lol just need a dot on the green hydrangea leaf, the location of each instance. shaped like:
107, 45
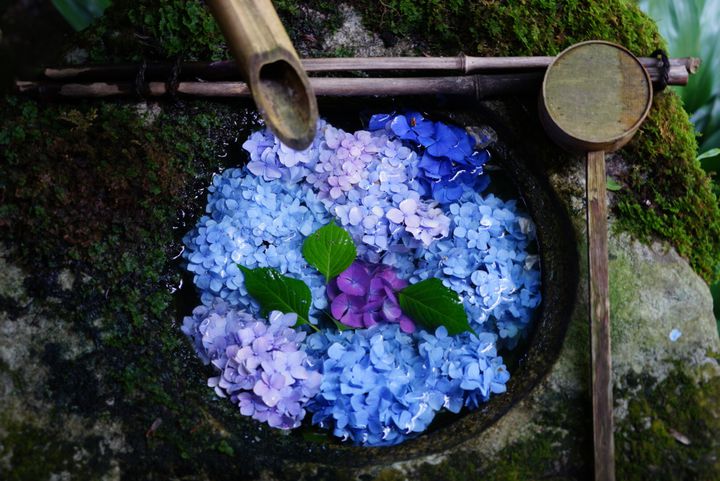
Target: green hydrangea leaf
330, 250
276, 292
432, 304
612, 185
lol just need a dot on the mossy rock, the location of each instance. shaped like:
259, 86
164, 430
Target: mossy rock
95, 197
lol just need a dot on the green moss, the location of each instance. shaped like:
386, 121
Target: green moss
132, 30
496, 27
96, 189
672, 430
668, 195
24, 445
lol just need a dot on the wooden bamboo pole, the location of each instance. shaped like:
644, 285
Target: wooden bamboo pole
680, 68
480, 86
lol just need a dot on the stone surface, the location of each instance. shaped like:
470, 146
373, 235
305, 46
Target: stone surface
82, 396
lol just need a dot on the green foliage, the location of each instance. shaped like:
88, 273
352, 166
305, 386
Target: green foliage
432, 304
276, 292
330, 250
80, 13
691, 29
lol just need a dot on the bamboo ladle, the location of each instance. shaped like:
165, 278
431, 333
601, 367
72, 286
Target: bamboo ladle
595, 96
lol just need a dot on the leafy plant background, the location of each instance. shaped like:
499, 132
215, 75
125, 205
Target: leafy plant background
692, 29
81, 13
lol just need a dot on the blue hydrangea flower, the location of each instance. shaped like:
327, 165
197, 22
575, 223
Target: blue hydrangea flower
486, 261
450, 159
254, 223
261, 366
381, 386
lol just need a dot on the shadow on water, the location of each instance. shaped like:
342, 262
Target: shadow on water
535, 354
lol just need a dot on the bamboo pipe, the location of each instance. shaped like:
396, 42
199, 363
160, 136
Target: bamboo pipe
271, 67
680, 68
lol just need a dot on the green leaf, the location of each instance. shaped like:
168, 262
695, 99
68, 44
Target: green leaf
276, 292
613, 185
81, 13
330, 250
709, 154
432, 304
340, 326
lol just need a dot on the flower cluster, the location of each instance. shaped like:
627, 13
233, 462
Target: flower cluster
487, 262
255, 223
261, 366
272, 160
381, 386
450, 161
343, 161
364, 295
408, 193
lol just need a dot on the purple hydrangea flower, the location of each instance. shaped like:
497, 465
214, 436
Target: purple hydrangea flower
262, 367
364, 295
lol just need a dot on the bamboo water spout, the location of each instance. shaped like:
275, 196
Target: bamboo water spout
268, 61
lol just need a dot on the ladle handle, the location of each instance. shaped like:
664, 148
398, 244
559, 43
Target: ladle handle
602, 396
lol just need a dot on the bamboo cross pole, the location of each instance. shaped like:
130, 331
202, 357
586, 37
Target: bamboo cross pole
680, 68
479, 86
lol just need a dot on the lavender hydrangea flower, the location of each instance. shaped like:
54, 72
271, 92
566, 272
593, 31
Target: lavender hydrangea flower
262, 367
272, 160
343, 161
364, 295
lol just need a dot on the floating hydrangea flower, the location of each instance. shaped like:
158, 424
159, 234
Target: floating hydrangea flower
486, 261
364, 295
253, 223
424, 221
449, 158
271, 159
381, 386
342, 161
262, 367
